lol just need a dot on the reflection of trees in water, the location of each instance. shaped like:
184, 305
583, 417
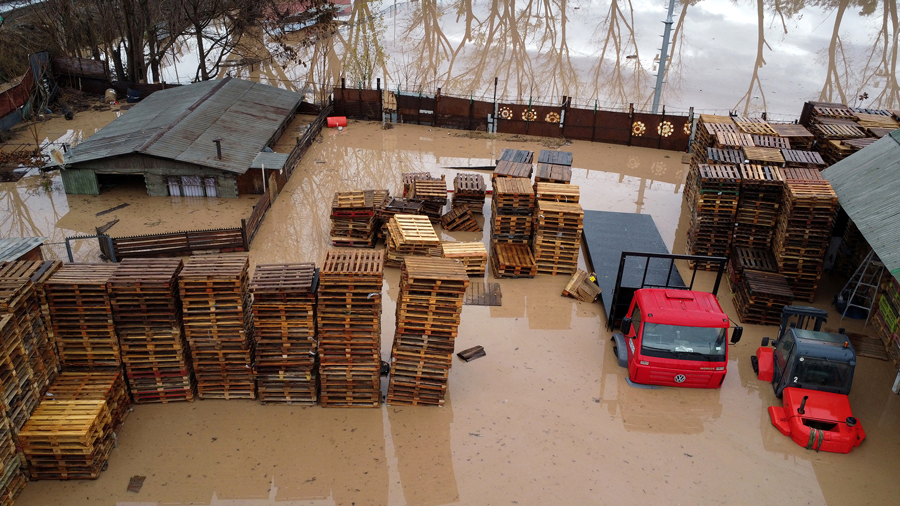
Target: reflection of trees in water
760, 62
423, 57
554, 59
364, 56
615, 36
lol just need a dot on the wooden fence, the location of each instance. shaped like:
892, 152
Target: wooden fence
223, 239
661, 131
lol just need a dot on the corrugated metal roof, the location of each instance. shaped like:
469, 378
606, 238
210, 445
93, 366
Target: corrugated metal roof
868, 188
14, 247
270, 160
181, 123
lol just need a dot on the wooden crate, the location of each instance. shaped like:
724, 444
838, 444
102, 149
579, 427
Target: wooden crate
512, 260
81, 316
284, 302
473, 255
67, 439
348, 327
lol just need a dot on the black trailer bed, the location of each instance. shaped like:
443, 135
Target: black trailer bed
607, 235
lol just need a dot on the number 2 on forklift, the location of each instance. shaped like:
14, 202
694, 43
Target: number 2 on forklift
675, 338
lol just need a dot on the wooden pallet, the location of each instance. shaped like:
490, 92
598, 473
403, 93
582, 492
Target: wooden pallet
511, 260
433, 195
582, 286
803, 159
507, 169
473, 255
754, 126
460, 219
798, 135
745, 258
18, 298
724, 156
94, 386
469, 191
409, 235
20, 394
560, 158
763, 156
556, 192
516, 155
771, 141
761, 297
726, 140
408, 178
549, 173
483, 294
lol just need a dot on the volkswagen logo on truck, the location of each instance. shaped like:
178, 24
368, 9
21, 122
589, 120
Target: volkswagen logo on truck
680, 378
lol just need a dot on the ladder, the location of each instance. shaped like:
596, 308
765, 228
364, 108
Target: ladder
860, 290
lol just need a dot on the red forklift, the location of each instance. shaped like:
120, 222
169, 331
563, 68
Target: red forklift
671, 335
812, 372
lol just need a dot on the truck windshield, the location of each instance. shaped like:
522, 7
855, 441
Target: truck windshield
822, 373
697, 343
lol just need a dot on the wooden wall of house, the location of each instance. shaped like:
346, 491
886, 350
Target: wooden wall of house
80, 182
155, 171
251, 181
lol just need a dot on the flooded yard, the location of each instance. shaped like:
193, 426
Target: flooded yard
545, 418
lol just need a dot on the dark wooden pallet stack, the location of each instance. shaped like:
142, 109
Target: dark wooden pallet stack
67, 440
469, 191
514, 163
217, 324
428, 315
39, 272
708, 125
738, 140
393, 207
803, 231
757, 211
716, 156
746, 258
549, 173
771, 141
12, 480
93, 386
408, 178
803, 159
81, 317
284, 328
19, 396
799, 137
512, 260
763, 156
147, 314
555, 158
18, 298
348, 316
433, 195
353, 219
834, 150
761, 297
557, 192
460, 219
409, 235
557, 237
473, 255
512, 210
712, 192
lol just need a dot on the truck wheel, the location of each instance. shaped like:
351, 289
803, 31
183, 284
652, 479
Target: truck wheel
619, 348
754, 362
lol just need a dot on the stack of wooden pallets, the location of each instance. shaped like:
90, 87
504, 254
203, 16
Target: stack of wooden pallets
514, 163
409, 235
19, 396
760, 198
217, 324
147, 313
799, 137
284, 327
803, 230
460, 219
428, 315
67, 439
512, 260
348, 315
549, 173
473, 255
712, 192
18, 298
393, 207
433, 195
408, 178
39, 272
353, 219
12, 481
81, 316
708, 125
93, 386
835, 150
748, 259
512, 207
469, 191
556, 192
803, 159
557, 236
760, 297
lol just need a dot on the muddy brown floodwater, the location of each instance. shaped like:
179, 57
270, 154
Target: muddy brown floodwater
545, 418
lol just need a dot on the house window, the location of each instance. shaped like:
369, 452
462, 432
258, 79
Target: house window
210, 184
174, 184
192, 186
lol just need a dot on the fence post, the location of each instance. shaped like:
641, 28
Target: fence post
594, 129
471, 109
419, 109
361, 115
380, 100
662, 119
562, 116
244, 231
343, 100
630, 122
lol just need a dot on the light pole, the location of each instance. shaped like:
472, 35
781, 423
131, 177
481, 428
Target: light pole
663, 56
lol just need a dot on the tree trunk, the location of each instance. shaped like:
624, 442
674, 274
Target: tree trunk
201, 53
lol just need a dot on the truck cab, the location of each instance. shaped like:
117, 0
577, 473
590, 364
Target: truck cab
676, 338
812, 372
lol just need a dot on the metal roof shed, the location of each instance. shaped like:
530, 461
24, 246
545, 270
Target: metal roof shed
867, 184
21, 248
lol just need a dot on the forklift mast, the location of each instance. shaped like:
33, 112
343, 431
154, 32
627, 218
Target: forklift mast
801, 317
